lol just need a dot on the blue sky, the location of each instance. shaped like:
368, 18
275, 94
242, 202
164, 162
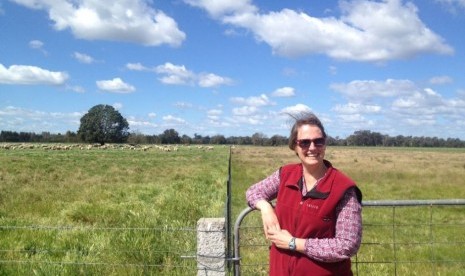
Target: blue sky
235, 67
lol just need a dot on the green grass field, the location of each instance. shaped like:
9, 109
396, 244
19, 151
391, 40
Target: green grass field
129, 211
121, 211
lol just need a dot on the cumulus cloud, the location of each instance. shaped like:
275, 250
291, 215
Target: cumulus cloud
440, 80
29, 120
30, 75
137, 67
296, 109
421, 102
253, 101
361, 90
245, 110
214, 114
135, 123
402, 104
119, 20
221, 8
284, 92
36, 44
373, 31
212, 80
453, 6
170, 119
354, 108
115, 85
173, 74
83, 58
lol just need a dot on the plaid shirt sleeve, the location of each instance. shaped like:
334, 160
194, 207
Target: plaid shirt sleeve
348, 236
266, 189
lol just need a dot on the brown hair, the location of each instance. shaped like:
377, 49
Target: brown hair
303, 118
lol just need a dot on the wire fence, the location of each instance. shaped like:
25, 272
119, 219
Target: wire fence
418, 237
400, 238
69, 250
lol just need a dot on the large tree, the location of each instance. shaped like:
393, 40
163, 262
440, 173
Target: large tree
103, 124
170, 136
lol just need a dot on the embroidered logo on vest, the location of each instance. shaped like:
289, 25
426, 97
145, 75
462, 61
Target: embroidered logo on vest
312, 206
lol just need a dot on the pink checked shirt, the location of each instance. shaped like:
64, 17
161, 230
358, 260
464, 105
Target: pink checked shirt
348, 236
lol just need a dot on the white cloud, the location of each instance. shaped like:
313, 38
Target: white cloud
261, 100
214, 114
367, 30
137, 67
36, 44
180, 75
175, 74
28, 120
245, 110
251, 119
296, 109
284, 92
119, 20
135, 123
453, 5
359, 90
212, 80
221, 8
30, 75
115, 85
83, 58
355, 108
183, 105
173, 120
358, 121
441, 80
421, 102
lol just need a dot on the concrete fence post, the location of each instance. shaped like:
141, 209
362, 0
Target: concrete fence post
211, 247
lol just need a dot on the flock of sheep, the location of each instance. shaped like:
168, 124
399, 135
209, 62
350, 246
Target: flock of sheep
167, 148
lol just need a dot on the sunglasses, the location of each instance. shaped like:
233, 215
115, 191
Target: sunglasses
305, 143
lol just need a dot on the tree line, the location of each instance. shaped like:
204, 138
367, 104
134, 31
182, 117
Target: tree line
103, 124
171, 136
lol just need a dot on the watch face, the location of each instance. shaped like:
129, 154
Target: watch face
292, 244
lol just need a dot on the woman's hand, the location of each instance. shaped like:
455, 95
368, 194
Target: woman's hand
280, 238
269, 219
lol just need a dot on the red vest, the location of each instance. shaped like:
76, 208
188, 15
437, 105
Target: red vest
310, 216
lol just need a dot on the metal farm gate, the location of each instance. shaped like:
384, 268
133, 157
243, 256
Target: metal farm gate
400, 237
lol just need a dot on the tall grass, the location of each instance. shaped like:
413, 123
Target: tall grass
108, 212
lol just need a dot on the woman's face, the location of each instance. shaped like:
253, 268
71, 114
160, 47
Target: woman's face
311, 145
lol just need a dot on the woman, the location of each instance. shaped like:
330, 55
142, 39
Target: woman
316, 225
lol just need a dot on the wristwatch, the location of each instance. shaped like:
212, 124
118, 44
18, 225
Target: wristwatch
292, 244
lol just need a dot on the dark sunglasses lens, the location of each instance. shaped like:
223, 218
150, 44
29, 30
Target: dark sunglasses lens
305, 143
319, 142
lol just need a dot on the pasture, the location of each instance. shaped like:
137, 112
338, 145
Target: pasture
122, 210
116, 210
